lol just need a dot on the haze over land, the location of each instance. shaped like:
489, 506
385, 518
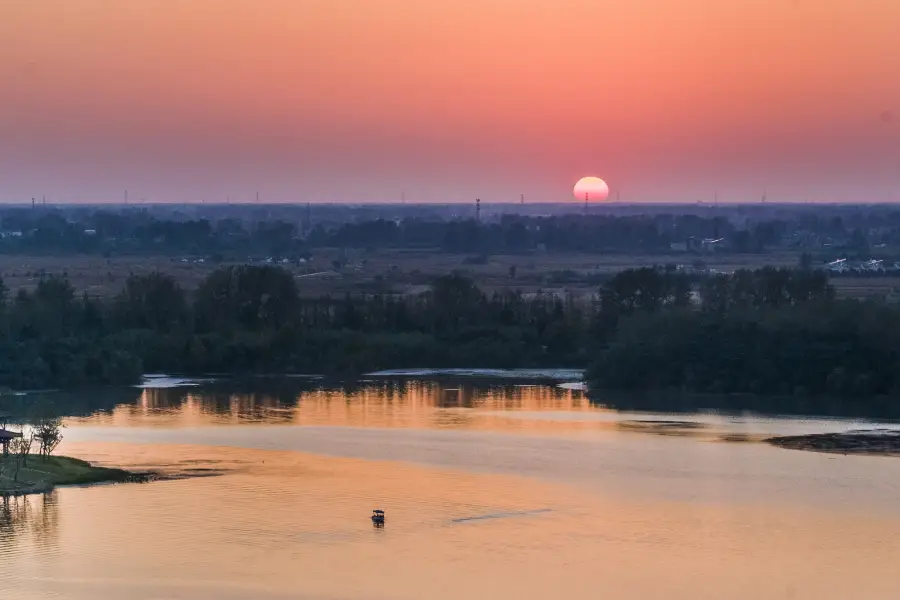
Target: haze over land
361, 100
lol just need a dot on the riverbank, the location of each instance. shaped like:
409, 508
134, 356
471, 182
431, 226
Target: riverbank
41, 474
881, 442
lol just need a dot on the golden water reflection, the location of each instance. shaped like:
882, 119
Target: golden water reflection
641, 510
410, 404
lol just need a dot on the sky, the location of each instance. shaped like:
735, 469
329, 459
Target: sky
449, 100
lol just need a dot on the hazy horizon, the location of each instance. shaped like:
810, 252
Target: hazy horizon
368, 100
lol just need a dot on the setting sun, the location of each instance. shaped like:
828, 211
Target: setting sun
592, 187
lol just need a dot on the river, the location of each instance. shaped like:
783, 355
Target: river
492, 490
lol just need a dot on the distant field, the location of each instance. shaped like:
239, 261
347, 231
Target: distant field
94, 274
401, 272
866, 287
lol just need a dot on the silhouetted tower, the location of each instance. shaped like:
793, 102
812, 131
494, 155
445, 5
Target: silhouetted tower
32, 204
522, 199
126, 197
478, 209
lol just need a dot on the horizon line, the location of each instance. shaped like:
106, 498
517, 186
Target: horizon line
407, 204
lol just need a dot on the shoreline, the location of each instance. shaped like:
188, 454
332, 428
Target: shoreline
43, 474
871, 442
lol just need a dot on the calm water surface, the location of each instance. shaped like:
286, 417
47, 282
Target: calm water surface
512, 491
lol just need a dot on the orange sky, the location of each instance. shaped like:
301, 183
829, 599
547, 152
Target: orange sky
358, 100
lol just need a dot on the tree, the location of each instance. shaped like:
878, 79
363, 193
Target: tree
644, 289
247, 296
51, 309
20, 449
153, 301
455, 299
766, 287
47, 428
715, 293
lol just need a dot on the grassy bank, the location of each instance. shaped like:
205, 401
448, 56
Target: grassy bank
42, 474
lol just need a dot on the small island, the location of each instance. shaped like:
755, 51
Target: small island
28, 466
879, 442
41, 474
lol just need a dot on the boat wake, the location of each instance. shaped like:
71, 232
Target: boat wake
502, 515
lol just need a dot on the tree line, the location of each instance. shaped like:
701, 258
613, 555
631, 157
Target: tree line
768, 331
252, 319
51, 231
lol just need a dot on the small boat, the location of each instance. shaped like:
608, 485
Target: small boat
378, 517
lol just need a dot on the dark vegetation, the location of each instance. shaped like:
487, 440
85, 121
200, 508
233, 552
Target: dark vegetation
234, 233
251, 319
768, 332
878, 441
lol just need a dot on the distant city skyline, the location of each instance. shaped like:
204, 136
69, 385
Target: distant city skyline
431, 101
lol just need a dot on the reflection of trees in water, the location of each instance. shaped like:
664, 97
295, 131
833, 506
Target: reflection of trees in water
287, 400
265, 406
71, 404
217, 404
46, 524
280, 400
13, 513
161, 398
37, 516
470, 393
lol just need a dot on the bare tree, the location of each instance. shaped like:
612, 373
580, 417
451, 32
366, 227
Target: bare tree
20, 448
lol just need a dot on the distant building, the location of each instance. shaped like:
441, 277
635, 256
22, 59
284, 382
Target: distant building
838, 266
710, 245
872, 266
